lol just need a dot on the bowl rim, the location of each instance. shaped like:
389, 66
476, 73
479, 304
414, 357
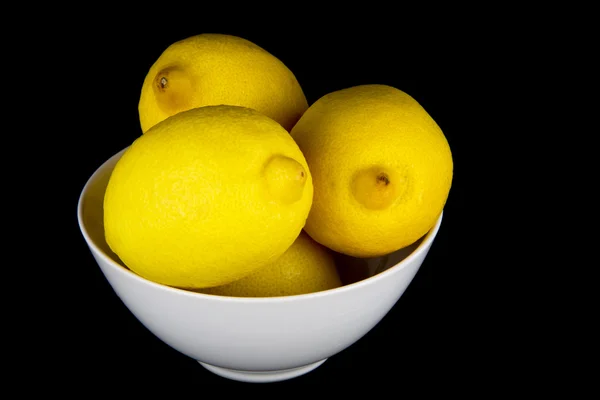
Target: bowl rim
426, 241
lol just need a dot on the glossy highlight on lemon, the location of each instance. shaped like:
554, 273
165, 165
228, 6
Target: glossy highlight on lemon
215, 69
206, 197
381, 166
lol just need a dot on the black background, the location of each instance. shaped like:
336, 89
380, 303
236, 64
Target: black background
432, 336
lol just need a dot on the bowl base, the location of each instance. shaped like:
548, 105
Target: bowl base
261, 376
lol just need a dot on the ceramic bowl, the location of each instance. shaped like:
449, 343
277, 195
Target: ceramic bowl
253, 339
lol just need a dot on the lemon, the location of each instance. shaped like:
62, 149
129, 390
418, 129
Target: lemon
214, 69
381, 167
206, 197
306, 267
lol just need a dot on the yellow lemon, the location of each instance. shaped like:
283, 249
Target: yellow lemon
207, 196
381, 167
214, 69
306, 267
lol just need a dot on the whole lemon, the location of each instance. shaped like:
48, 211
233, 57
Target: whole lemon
206, 197
214, 69
306, 267
381, 167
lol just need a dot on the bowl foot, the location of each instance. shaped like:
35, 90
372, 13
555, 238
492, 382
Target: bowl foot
262, 376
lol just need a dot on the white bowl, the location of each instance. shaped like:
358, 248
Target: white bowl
251, 339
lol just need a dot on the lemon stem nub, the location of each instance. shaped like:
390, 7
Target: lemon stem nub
383, 178
174, 89
285, 179
375, 188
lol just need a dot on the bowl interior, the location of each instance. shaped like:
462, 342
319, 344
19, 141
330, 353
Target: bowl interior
90, 215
